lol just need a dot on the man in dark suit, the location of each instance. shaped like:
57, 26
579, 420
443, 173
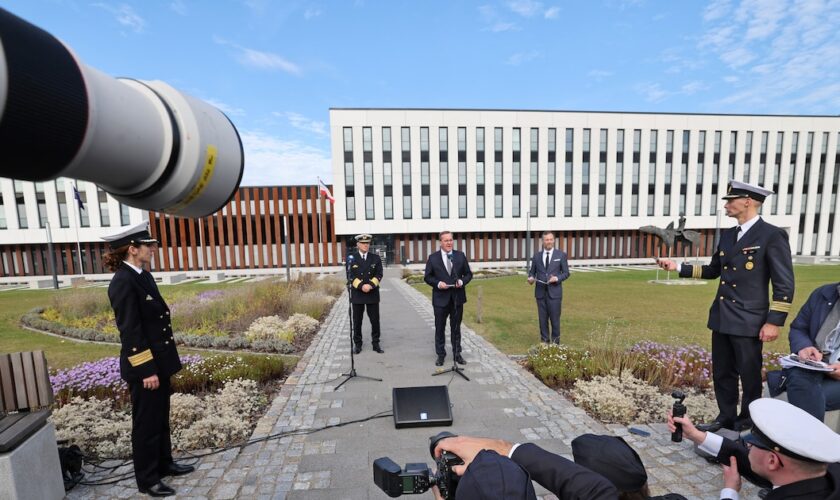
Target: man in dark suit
448, 273
788, 450
814, 335
749, 256
148, 356
549, 269
364, 272
557, 474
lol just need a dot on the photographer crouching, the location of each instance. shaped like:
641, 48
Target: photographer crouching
788, 450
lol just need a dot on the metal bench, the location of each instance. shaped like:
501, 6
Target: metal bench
29, 464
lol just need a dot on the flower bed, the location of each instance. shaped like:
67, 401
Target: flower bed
631, 385
217, 318
216, 402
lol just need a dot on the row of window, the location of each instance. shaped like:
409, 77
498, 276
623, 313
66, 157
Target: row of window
719, 168
17, 206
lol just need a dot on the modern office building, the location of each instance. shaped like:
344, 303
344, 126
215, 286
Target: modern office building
250, 232
493, 176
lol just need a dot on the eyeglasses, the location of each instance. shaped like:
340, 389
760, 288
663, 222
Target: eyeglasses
751, 445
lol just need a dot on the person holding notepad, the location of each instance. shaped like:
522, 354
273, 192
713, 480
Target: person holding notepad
549, 269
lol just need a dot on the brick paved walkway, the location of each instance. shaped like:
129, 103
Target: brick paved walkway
502, 400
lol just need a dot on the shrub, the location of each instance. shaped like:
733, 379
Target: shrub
269, 328
559, 365
301, 324
626, 399
95, 426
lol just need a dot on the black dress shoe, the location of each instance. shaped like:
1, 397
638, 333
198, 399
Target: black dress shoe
357, 349
460, 360
175, 469
158, 490
378, 349
743, 424
439, 361
714, 426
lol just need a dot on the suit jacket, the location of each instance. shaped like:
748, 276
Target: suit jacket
361, 272
563, 477
491, 476
436, 272
558, 265
745, 268
806, 326
144, 322
826, 487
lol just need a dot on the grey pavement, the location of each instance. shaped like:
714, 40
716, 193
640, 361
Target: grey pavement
501, 400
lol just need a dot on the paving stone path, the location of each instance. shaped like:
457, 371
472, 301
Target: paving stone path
501, 400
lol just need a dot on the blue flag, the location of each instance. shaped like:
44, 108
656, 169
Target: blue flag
78, 198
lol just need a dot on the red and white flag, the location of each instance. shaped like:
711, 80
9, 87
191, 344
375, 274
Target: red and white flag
324, 191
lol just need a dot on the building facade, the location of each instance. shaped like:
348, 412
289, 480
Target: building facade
250, 232
495, 177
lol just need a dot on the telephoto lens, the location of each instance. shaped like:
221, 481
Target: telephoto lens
678, 410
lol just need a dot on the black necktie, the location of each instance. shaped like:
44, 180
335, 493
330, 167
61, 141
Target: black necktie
546, 261
738, 234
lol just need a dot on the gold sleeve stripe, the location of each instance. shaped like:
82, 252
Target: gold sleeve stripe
781, 306
375, 281
696, 272
139, 359
356, 283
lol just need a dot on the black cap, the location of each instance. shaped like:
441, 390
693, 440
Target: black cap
611, 457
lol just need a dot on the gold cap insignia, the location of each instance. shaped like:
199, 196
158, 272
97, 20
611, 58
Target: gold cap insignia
749, 266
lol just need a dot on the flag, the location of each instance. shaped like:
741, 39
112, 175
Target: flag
78, 198
324, 191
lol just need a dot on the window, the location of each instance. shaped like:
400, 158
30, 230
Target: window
777, 169
2, 212
516, 185
387, 174
41, 199
462, 172
602, 173
83, 214
349, 182
619, 170
533, 205
405, 141
20, 205
425, 194
125, 218
637, 155
104, 217
479, 172
497, 172
584, 188
61, 197
367, 167
698, 186
669, 171
762, 159
748, 156
552, 172
569, 172
713, 202
654, 135
443, 142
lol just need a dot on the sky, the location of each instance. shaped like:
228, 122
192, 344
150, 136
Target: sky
277, 67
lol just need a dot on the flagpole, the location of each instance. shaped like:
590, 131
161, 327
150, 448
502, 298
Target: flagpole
78, 197
320, 236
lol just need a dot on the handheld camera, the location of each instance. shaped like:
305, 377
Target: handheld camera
678, 410
417, 478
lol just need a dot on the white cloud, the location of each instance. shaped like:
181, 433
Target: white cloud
522, 57
272, 161
692, 88
225, 108
525, 8
179, 7
781, 53
261, 60
301, 122
125, 15
652, 92
599, 74
311, 12
493, 21
731, 79
552, 13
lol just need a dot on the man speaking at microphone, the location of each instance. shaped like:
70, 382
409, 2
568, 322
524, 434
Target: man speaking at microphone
448, 273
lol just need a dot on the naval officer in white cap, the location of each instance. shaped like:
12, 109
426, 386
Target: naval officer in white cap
148, 357
749, 257
788, 450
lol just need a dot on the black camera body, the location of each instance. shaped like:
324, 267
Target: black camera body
417, 478
678, 410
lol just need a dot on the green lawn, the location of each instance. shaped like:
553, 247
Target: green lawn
63, 353
618, 308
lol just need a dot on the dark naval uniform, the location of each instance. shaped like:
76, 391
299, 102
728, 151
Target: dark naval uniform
360, 272
741, 307
148, 348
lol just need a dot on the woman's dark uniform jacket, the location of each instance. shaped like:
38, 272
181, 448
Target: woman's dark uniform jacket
142, 316
746, 267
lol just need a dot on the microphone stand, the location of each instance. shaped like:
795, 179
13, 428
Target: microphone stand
455, 368
352, 373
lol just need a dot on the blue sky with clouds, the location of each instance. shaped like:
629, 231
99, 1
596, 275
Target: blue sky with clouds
276, 67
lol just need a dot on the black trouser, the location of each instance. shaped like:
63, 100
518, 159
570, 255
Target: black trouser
151, 447
373, 316
454, 311
734, 356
